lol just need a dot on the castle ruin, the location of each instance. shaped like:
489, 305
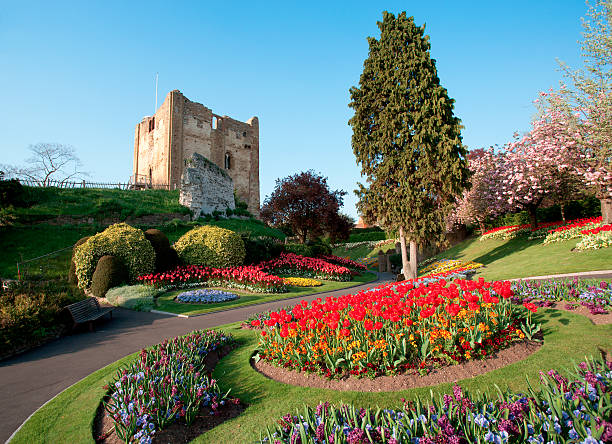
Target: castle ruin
165, 141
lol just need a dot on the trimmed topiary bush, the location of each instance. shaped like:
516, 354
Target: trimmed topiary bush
110, 272
211, 246
165, 256
126, 243
72, 278
261, 249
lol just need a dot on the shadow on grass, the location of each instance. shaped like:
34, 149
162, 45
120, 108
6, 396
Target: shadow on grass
510, 247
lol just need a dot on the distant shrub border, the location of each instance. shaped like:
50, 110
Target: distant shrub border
126, 243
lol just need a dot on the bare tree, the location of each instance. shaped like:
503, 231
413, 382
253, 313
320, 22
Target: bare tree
50, 162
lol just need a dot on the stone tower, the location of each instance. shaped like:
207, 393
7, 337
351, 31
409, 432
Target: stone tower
179, 128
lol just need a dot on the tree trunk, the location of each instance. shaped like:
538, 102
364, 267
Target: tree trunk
481, 226
606, 210
562, 206
533, 217
413, 259
405, 264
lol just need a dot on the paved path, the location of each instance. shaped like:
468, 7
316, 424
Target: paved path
31, 379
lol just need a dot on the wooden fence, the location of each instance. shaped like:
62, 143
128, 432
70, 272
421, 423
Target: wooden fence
103, 185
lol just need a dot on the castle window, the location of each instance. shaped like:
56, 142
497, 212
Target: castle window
244, 134
228, 161
152, 124
215, 122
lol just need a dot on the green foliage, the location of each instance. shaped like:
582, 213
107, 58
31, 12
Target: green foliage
49, 202
110, 272
126, 243
72, 278
11, 193
211, 246
368, 236
301, 249
261, 249
165, 256
32, 311
405, 136
133, 297
588, 207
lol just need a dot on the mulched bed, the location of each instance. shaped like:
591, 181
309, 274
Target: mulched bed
178, 432
502, 358
597, 319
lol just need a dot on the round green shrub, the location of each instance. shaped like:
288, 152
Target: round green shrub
72, 278
165, 256
110, 272
211, 246
126, 243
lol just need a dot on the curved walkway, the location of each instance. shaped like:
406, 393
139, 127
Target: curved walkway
31, 379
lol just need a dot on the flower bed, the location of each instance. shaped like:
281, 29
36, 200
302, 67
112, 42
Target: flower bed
248, 278
396, 327
345, 262
166, 383
562, 410
499, 232
572, 229
205, 296
596, 238
302, 282
294, 264
444, 265
592, 294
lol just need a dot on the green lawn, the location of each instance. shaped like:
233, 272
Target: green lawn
20, 243
50, 202
568, 337
361, 251
23, 243
166, 302
521, 257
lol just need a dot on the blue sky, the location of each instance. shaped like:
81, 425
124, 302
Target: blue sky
83, 73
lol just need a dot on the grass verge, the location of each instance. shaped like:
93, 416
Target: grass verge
165, 302
568, 337
520, 257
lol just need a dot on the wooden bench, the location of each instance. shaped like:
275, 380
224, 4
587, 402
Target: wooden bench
88, 310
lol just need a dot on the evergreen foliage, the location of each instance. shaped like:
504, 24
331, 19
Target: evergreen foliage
127, 243
109, 273
165, 256
211, 246
405, 136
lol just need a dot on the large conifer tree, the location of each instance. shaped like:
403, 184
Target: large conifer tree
406, 138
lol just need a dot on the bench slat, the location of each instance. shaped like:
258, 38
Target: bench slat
87, 310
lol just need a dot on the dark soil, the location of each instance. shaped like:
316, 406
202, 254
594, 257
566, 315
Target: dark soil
454, 373
178, 432
597, 319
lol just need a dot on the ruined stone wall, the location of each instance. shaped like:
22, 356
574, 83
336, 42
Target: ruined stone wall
151, 153
190, 127
205, 187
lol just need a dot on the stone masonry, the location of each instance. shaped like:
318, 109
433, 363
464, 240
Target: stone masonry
205, 187
164, 142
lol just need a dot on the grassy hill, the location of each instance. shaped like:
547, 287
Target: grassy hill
48, 203
28, 238
520, 257
514, 258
